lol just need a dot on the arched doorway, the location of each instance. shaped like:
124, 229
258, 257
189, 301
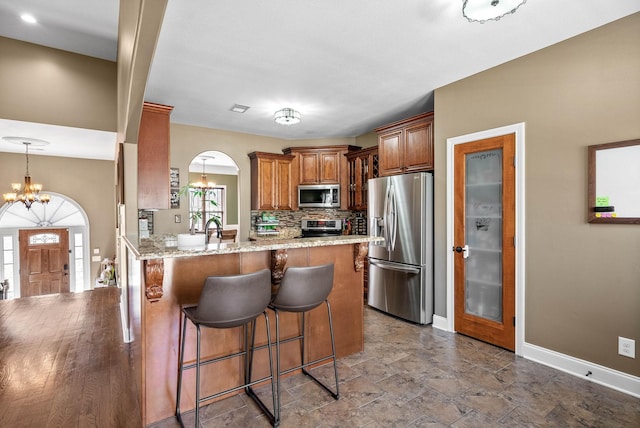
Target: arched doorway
222, 171
60, 212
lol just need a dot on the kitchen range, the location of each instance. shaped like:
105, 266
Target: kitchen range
401, 268
313, 228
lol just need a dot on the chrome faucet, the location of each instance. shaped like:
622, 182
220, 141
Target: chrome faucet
206, 229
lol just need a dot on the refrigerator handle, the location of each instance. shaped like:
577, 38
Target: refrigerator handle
391, 266
393, 211
385, 219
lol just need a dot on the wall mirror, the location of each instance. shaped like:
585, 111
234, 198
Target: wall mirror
614, 183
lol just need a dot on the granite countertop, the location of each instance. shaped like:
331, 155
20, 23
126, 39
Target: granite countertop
154, 247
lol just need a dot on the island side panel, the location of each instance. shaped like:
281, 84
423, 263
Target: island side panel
134, 289
347, 306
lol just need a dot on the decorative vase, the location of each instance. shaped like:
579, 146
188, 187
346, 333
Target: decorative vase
186, 241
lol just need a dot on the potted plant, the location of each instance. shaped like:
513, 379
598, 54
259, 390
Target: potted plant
193, 240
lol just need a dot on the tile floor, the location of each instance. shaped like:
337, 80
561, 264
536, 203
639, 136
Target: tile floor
418, 376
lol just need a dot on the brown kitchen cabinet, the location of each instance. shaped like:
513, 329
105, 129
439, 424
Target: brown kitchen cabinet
406, 146
271, 181
153, 157
321, 165
361, 165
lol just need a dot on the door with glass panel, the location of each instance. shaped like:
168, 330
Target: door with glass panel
484, 240
44, 261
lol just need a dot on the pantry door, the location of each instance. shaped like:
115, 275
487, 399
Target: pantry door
484, 240
44, 261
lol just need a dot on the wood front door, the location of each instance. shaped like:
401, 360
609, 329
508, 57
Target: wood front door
484, 238
44, 261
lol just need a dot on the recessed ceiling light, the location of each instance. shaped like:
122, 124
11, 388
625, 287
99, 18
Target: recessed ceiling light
237, 108
28, 18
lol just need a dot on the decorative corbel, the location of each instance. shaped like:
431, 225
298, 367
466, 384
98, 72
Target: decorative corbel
278, 261
153, 277
360, 251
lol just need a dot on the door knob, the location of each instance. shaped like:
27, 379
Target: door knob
464, 250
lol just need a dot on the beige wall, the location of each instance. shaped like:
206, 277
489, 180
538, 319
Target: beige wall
367, 140
582, 280
40, 84
45, 85
88, 182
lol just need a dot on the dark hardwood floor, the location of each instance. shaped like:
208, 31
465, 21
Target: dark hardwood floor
63, 362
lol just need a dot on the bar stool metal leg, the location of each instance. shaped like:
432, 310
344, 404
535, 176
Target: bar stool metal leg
277, 408
273, 417
333, 352
198, 376
304, 363
181, 368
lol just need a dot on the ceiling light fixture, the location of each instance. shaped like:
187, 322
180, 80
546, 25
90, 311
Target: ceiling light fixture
287, 116
204, 183
28, 18
489, 10
30, 191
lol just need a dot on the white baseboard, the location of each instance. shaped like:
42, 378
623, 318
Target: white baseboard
601, 375
605, 376
441, 323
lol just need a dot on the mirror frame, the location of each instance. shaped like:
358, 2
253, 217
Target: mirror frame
591, 192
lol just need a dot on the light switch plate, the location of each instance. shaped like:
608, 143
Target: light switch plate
95, 258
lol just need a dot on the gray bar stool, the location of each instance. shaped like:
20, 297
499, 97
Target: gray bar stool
226, 302
303, 289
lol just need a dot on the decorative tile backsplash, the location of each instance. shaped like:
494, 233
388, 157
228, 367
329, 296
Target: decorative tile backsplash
289, 221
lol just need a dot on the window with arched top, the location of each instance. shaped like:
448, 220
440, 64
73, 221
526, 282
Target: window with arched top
213, 193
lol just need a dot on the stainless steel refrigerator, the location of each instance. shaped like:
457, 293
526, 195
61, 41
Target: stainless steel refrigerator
400, 209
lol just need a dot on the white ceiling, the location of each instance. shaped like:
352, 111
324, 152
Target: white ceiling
347, 66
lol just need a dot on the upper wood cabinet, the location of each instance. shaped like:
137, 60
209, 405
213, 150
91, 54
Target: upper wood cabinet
406, 146
362, 165
153, 157
271, 181
321, 165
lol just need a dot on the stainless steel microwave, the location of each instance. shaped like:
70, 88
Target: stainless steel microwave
319, 196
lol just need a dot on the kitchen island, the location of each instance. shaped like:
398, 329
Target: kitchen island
160, 279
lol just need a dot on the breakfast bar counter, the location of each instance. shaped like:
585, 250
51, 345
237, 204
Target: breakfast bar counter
161, 279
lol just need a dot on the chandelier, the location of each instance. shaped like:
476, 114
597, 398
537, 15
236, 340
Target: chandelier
204, 183
287, 116
489, 10
29, 192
